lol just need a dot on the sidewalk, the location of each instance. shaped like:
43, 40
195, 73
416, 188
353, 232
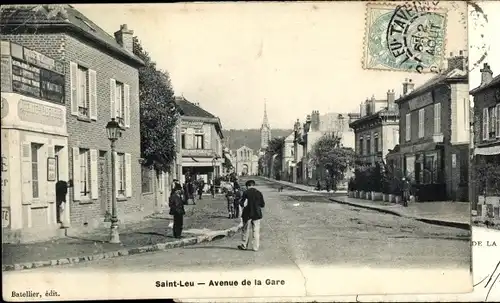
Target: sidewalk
448, 213
302, 186
203, 222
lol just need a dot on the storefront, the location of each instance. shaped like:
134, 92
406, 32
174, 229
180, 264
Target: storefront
34, 140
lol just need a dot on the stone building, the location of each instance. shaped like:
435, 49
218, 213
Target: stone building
245, 161
434, 134
100, 83
200, 140
486, 136
376, 128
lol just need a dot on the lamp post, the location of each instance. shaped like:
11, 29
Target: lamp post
113, 129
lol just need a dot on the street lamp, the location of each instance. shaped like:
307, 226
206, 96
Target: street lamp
114, 130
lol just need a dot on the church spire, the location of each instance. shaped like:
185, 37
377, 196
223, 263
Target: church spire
265, 122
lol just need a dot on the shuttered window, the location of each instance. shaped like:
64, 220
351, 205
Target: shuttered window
83, 96
437, 118
408, 127
35, 168
421, 121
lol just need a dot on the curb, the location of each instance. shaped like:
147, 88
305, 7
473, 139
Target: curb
459, 225
125, 251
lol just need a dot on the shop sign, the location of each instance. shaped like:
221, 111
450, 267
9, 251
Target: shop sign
5, 217
31, 111
420, 101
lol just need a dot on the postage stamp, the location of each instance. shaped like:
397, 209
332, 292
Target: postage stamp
405, 37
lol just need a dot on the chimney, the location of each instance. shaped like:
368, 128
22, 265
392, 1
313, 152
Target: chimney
390, 99
458, 62
408, 86
124, 37
362, 109
315, 120
296, 126
486, 74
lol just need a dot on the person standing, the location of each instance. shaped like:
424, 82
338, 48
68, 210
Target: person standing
201, 187
61, 192
406, 191
177, 210
253, 202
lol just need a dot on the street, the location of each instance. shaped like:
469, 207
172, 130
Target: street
301, 228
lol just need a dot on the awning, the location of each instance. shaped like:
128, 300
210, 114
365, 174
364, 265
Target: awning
487, 151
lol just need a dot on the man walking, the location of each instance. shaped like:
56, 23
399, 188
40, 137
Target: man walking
177, 210
252, 202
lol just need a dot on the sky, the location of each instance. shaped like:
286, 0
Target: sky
483, 37
233, 58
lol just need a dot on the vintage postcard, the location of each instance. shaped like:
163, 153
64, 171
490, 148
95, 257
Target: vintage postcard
239, 150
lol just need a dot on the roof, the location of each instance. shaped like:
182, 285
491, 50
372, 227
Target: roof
452, 75
67, 18
191, 110
385, 112
493, 82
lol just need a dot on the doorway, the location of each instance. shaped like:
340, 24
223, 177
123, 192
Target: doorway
103, 186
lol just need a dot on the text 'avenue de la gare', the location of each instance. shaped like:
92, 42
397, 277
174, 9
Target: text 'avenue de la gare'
221, 283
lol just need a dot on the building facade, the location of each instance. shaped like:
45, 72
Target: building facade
376, 129
287, 158
35, 147
486, 139
297, 152
246, 161
434, 134
100, 83
200, 140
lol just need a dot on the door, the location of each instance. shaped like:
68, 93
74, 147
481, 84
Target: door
103, 186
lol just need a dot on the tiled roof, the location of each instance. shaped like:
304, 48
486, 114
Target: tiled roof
191, 110
495, 81
36, 15
454, 74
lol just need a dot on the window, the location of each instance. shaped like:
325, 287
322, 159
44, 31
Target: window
408, 127
183, 140
491, 122
361, 146
121, 174
199, 141
119, 103
84, 173
147, 180
34, 169
375, 143
368, 146
82, 91
437, 118
421, 121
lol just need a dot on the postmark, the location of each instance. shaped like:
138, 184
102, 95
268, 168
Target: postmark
405, 37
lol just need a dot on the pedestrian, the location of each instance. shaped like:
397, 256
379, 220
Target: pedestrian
229, 189
61, 192
253, 202
201, 186
212, 187
406, 192
236, 200
177, 210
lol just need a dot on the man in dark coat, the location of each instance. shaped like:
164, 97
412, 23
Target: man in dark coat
61, 192
177, 210
252, 202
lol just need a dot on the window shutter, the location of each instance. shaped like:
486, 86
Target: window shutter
421, 116
73, 69
94, 190
498, 121
126, 100
26, 172
408, 127
51, 189
128, 175
112, 97
117, 173
76, 174
93, 94
485, 124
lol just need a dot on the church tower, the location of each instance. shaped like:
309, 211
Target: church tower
265, 131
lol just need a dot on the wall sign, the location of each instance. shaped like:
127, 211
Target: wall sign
192, 124
5, 107
31, 111
51, 169
5, 217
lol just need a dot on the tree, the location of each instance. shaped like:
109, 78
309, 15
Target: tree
328, 153
275, 147
158, 114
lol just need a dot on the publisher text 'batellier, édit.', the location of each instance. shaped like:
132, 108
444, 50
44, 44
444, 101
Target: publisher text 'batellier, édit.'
244, 282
